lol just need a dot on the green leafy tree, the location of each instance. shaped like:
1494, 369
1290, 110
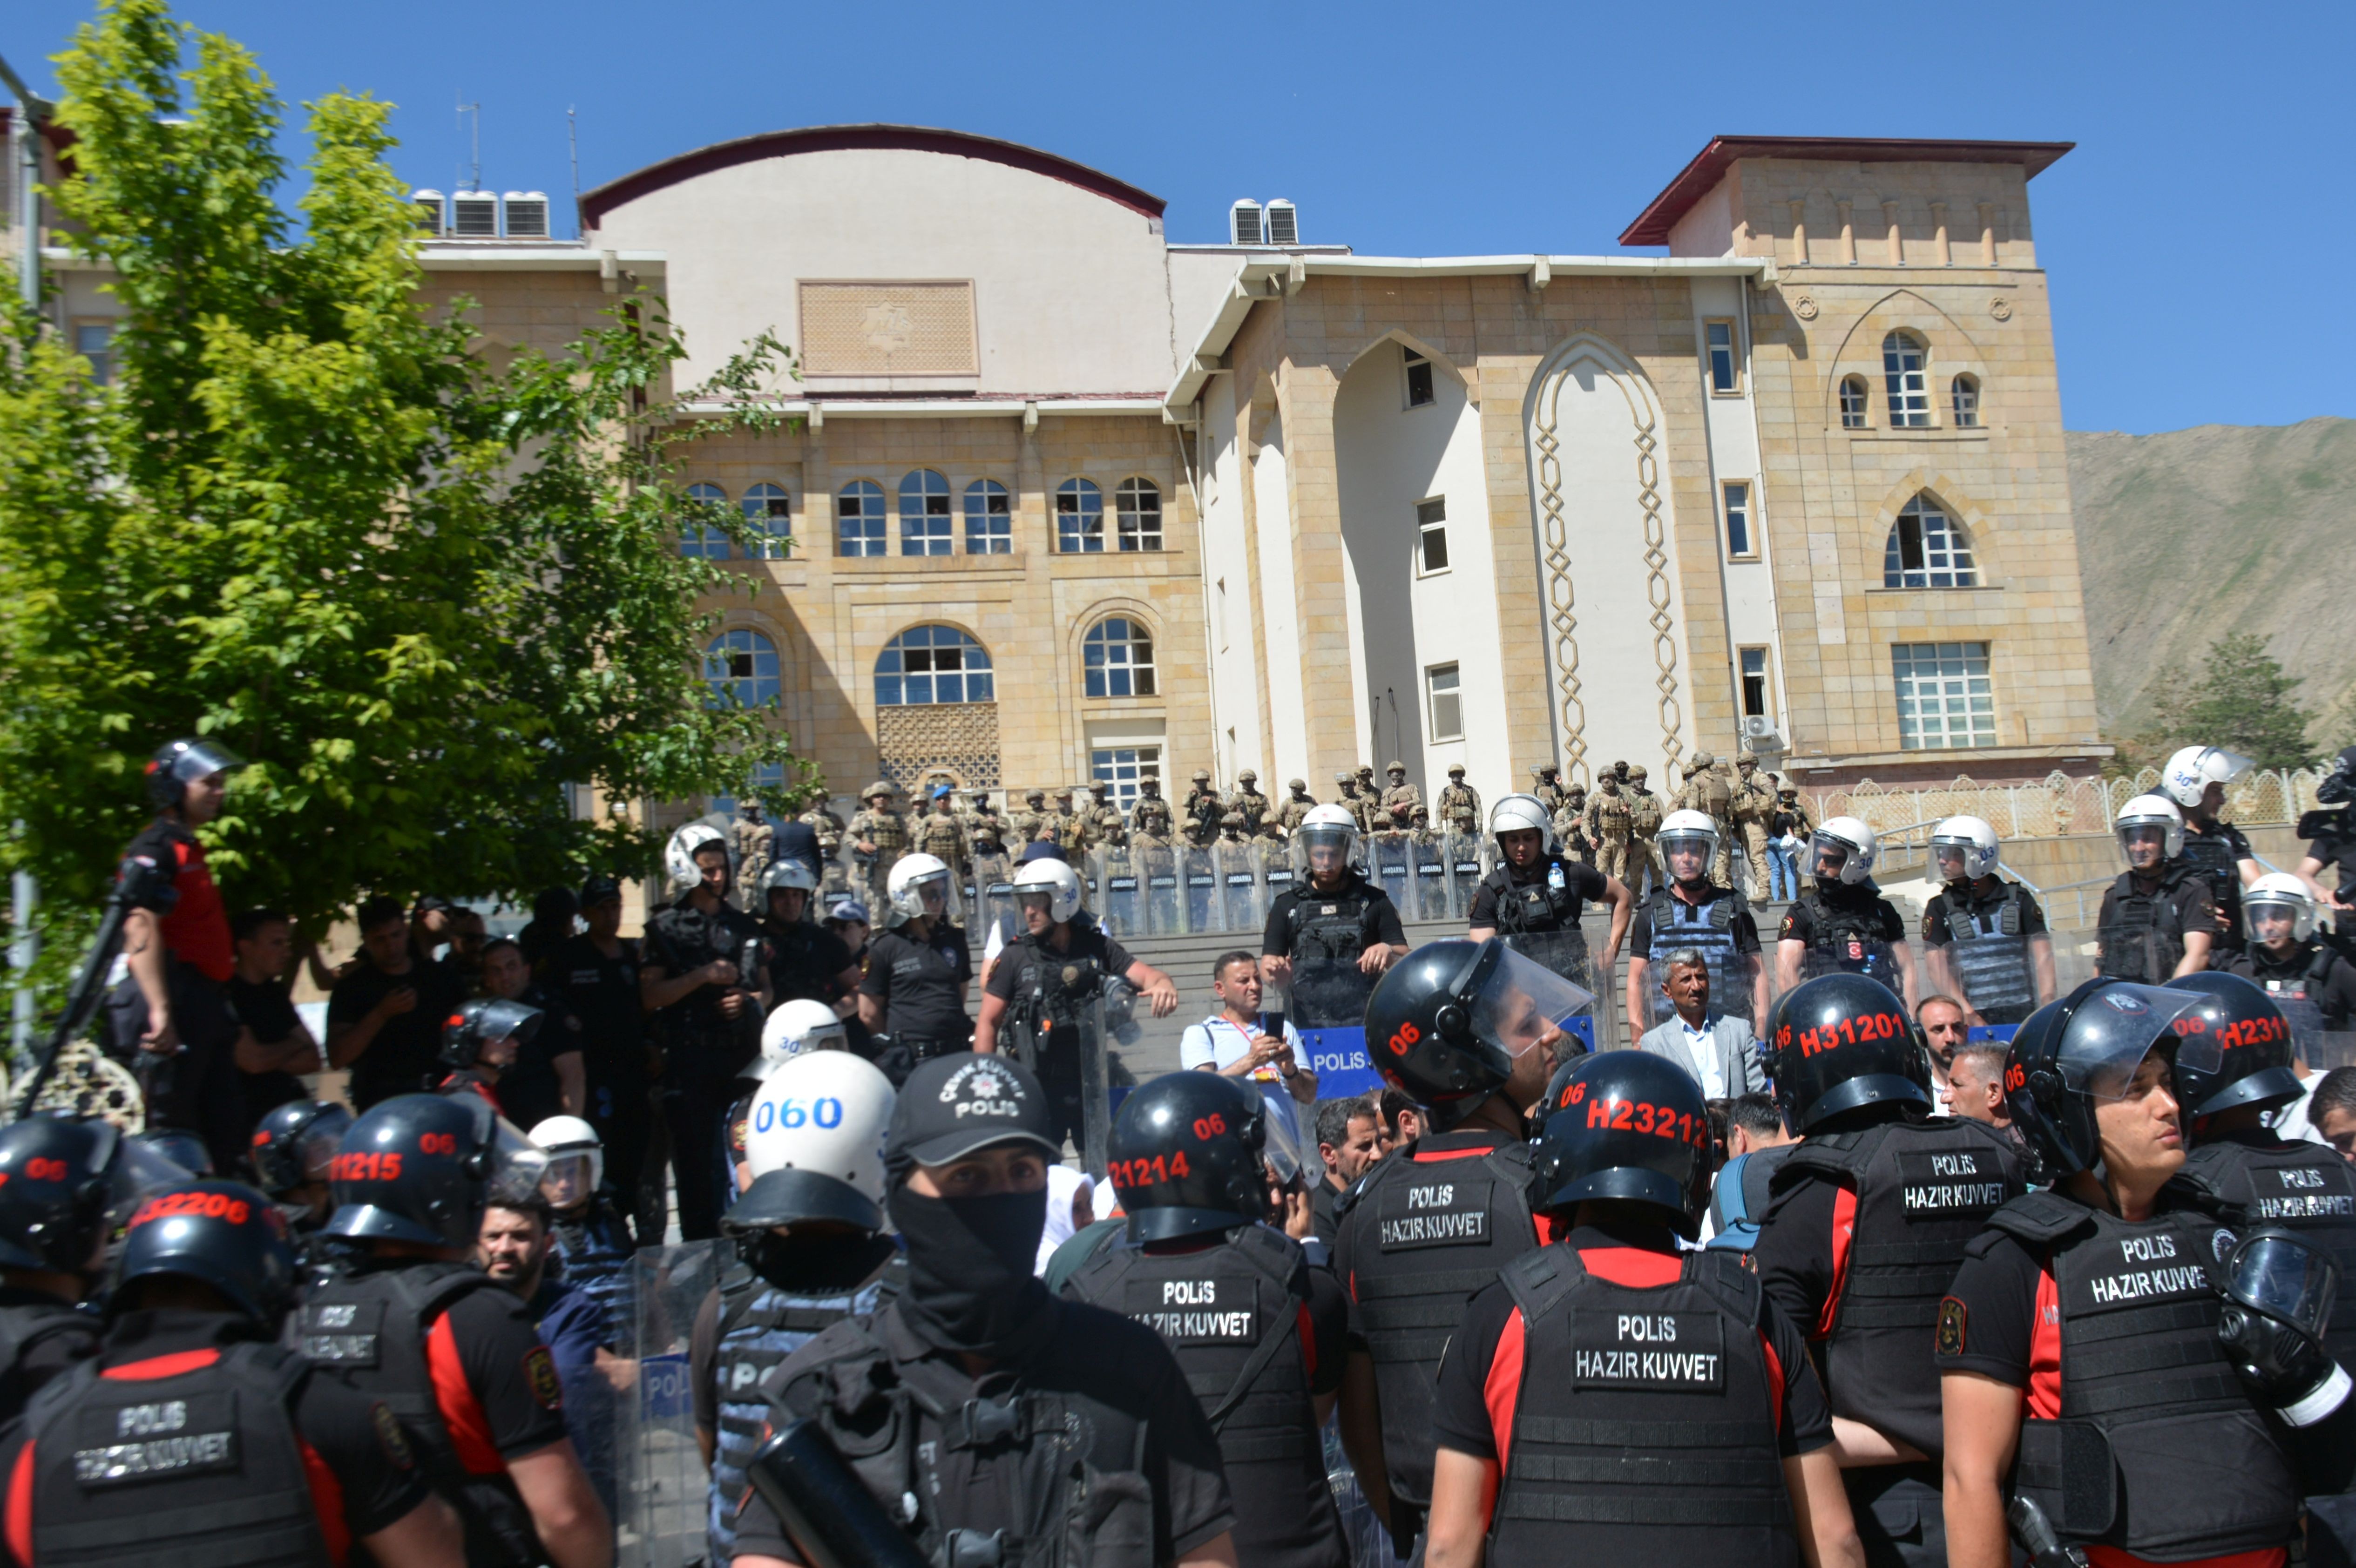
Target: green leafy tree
2243, 701
419, 589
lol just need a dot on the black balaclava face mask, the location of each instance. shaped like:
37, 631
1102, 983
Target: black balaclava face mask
969, 1259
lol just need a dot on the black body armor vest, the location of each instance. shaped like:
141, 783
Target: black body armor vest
24, 1326
203, 1467
2300, 1186
1645, 1426
2143, 938
1337, 934
1053, 993
1923, 1190
2157, 1449
1435, 1232
1991, 956
1536, 905
370, 1329
1231, 1314
1711, 929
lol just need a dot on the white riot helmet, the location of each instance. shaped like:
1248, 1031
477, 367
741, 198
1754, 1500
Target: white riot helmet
798, 1026
2281, 891
576, 1160
811, 1219
2151, 811
792, 872
1857, 846
1054, 878
1520, 813
911, 875
2192, 770
1975, 839
678, 855
1325, 828
1688, 828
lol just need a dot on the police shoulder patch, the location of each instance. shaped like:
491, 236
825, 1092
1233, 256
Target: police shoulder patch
540, 1377
1789, 922
392, 1438
1951, 1326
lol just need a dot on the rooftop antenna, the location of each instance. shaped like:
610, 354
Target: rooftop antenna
572, 142
475, 179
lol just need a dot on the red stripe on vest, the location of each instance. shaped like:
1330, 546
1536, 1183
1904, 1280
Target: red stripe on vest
462, 1412
21, 1507
170, 1366
1503, 1390
327, 1503
1844, 1233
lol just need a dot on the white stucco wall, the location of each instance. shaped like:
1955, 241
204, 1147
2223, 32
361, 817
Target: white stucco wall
1733, 426
1280, 610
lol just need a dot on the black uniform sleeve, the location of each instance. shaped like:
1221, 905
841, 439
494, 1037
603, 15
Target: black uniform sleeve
1934, 923
1590, 884
1640, 931
2200, 912
2032, 913
702, 1353
360, 1441
511, 1372
1745, 930
1000, 983
2339, 1000
1798, 925
657, 951
1986, 1324
1117, 958
1893, 924
1276, 941
1460, 1410
1794, 1250
1808, 1418
1329, 1331
1382, 922
830, 953
1482, 910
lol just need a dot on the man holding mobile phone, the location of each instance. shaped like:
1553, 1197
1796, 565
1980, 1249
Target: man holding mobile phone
1241, 1041
385, 1016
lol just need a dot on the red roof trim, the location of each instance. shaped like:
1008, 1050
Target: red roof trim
1709, 166
596, 203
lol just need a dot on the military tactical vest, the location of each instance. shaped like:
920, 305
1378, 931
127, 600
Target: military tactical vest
795, 974
370, 1329
1645, 1423
1053, 994
2142, 936
1991, 956
1537, 904
2301, 1186
2149, 1405
2294, 995
1430, 1233
1232, 1316
1676, 923
1923, 1190
21, 1328
205, 1467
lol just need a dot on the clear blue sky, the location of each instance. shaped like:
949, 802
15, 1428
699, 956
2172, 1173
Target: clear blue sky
2189, 237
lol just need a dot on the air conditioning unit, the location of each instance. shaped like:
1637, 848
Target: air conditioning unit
527, 214
1284, 223
473, 215
1758, 729
427, 204
1243, 224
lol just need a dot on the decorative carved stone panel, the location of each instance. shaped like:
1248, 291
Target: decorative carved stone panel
888, 329
957, 738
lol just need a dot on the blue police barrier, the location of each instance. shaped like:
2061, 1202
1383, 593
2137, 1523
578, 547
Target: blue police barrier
2001, 1034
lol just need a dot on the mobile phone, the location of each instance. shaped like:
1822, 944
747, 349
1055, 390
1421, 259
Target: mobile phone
1272, 1023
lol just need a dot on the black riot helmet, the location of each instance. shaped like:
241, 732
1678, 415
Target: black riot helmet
2075, 1053
294, 1144
1839, 1041
1187, 1155
2233, 1048
182, 1147
420, 1168
177, 764
1627, 1126
477, 1023
222, 1233
1446, 1023
59, 1180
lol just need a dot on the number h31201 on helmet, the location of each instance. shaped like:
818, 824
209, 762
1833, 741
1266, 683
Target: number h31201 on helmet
1839, 1041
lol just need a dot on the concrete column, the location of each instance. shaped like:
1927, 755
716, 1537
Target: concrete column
1942, 254
1889, 223
1842, 207
1799, 232
1988, 234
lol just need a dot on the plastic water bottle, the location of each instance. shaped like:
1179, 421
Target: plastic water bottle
1554, 876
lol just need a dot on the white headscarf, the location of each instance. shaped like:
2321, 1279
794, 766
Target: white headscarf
1064, 1184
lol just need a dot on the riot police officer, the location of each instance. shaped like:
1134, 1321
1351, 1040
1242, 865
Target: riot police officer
1464, 1030
1612, 1331
294, 1150
1043, 994
809, 1250
1260, 1335
456, 1356
587, 1239
1328, 938
1984, 937
2311, 982
2195, 779
597, 972
1694, 912
1840, 923
1534, 896
918, 971
993, 1421
191, 1438
480, 1041
1865, 1224
2081, 1367
2158, 920
806, 960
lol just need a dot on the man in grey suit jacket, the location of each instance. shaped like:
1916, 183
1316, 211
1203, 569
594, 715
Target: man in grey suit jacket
1716, 1047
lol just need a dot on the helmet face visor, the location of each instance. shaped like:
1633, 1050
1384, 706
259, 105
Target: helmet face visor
517, 1164
203, 760
138, 1169
1830, 854
2269, 912
1521, 1004
1327, 846
569, 1178
318, 1146
1957, 858
2114, 1030
1694, 848
1280, 1149
2281, 1276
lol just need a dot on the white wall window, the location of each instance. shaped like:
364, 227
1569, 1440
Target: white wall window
1927, 549
1419, 394
1445, 701
1432, 535
859, 518
94, 341
1853, 402
1725, 366
1904, 363
1079, 518
925, 514
1118, 769
769, 518
1966, 397
1755, 703
700, 540
988, 520
1741, 544
1138, 505
1119, 657
1943, 696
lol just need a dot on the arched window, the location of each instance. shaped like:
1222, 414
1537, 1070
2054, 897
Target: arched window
1903, 361
1967, 402
859, 518
1079, 518
988, 520
925, 514
1927, 549
741, 667
1138, 503
768, 516
1853, 402
700, 540
933, 663
1119, 657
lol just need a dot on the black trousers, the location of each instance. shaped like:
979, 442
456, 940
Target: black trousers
196, 1089
1902, 1516
621, 1107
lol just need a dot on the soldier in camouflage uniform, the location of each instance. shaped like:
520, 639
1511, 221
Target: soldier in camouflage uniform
938, 833
1202, 812
1570, 830
1400, 800
1026, 824
1546, 784
1370, 798
1646, 813
1102, 820
1619, 772
1231, 828
1752, 803
1459, 803
985, 831
1346, 795
1708, 791
755, 838
1298, 803
1148, 819
1062, 827
1608, 823
1250, 803
879, 837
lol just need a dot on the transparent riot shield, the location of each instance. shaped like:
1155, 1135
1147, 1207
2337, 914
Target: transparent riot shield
1199, 869
1563, 952
1278, 873
1430, 883
1242, 896
664, 1487
1122, 911
1466, 866
1072, 1066
994, 881
2326, 1048
1390, 866
2001, 979
1158, 865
